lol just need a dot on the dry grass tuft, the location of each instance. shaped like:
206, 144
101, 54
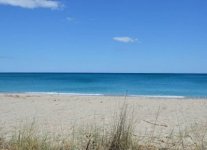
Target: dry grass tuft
122, 135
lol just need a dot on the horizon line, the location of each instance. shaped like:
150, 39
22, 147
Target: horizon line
108, 72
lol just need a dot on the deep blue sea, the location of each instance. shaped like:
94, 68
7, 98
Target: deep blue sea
189, 85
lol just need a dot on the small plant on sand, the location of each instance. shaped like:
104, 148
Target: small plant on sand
122, 134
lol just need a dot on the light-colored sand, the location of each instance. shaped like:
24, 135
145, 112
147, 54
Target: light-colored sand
61, 112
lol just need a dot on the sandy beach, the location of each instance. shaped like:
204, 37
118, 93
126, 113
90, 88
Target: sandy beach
60, 112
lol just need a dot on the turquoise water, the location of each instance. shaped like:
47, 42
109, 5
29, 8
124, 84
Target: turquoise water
193, 85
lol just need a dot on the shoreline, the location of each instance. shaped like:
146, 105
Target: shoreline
106, 95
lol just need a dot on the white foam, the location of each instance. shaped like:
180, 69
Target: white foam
62, 93
159, 96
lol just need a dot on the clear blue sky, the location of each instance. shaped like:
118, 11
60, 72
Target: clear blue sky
103, 36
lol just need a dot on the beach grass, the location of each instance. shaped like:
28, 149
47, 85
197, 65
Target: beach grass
118, 135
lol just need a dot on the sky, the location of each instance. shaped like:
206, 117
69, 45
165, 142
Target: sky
129, 36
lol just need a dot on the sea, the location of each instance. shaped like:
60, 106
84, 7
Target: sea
117, 84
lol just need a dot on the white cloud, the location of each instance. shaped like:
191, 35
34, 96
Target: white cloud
70, 18
52, 4
125, 39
